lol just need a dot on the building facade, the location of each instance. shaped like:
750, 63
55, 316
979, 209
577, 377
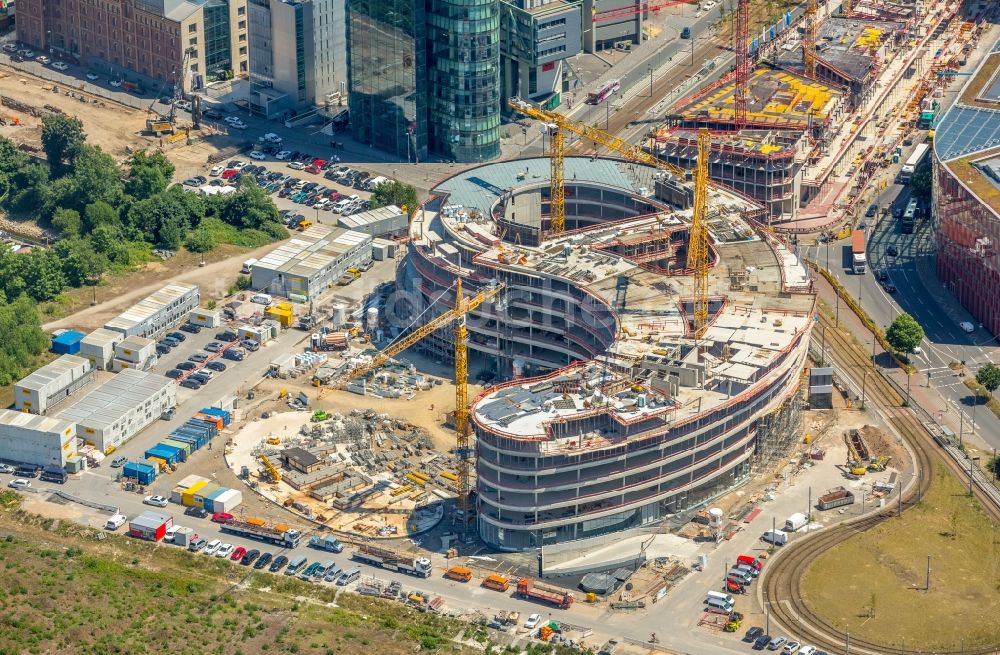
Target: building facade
424, 77
38, 392
311, 262
36, 440
294, 56
608, 23
158, 312
154, 38
535, 39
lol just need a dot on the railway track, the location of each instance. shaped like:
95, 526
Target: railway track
782, 583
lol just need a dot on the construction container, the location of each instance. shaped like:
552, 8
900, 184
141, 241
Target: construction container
52, 383
227, 417
383, 249
183, 536
151, 526
99, 347
141, 471
135, 350
158, 463
187, 497
75, 464
67, 343
185, 448
836, 497
226, 502
180, 438
189, 480
209, 418
212, 496
282, 313
205, 317
203, 493
166, 453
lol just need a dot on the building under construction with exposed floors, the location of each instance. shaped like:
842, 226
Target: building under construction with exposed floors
606, 411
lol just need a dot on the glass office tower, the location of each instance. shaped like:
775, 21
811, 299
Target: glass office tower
387, 68
464, 63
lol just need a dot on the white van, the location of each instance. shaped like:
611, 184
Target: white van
718, 595
374, 182
349, 576
115, 522
342, 205
967, 327
740, 575
718, 606
776, 537
261, 299
171, 531
795, 521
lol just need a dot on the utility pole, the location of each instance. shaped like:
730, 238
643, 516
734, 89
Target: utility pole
927, 584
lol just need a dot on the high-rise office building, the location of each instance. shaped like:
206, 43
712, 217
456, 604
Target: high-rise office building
155, 38
425, 77
294, 59
536, 36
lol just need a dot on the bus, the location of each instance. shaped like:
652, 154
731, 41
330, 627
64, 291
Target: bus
909, 217
607, 89
911, 164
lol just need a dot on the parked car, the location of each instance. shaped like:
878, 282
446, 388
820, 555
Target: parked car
116, 521
198, 357
162, 349
191, 327
762, 642
226, 336
225, 550
186, 366
60, 65
42, 59
119, 461
19, 483
257, 154
201, 377
238, 553
222, 517
250, 345
213, 547
533, 621
216, 171
155, 501
263, 561
191, 384
752, 634
93, 77
278, 563
213, 346
6, 468
872, 210
177, 336
216, 366
776, 643
249, 556
791, 648
197, 512
174, 373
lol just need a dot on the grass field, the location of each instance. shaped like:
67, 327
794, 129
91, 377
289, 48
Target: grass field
886, 568
63, 591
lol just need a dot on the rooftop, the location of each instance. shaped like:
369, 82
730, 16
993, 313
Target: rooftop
101, 337
36, 422
149, 306
110, 402
52, 371
370, 216
778, 99
764, 143
847, 45
308, 253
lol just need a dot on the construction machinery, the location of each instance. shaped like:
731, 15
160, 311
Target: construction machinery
697, 260
272, 470
456, 315
809, 41
528, 588
857, 453
742, 46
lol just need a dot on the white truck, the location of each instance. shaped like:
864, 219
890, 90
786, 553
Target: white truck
394, 561
795, 521
248, 265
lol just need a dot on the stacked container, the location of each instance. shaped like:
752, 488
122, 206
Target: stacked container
187, 496
226, 501
177, 495
143, 472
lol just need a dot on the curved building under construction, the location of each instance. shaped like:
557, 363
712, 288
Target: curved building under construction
607, 413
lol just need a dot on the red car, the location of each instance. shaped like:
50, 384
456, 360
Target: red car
228, 173
222, 517
319, 163
335, 195
238, 553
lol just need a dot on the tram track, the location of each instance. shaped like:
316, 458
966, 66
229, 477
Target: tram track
783, 579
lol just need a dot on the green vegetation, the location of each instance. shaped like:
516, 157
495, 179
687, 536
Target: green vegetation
891, 560
69, 593
921, 181
108, 219
988, 375
981, 396
396, 193
904, 334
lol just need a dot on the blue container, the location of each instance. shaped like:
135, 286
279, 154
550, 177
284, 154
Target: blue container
199, 435
144, 473
180, 454
67, 343
186, 439
212, 496
198, 424
215, 411
166, 453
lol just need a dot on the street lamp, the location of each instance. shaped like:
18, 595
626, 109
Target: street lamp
650, 67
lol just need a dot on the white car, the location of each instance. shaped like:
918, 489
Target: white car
791, 648
807, 650
533, 621
213, 547
216, 171
115, 83
93, 76
257, 154
42, 59
296, 165
238, 126
238, 165
155, 501
233, 119
19, 483
60, 65
322, 204
115, 522
225, 550
283, 155
967, 327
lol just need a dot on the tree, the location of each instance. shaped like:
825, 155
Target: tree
24, 340
99, 213
904, 334
68, 222
62, 139
201, 240
395, 193
988, 375
43, 274
249, 207
30, 189
149, 175
81, 264
921, 181
171, 235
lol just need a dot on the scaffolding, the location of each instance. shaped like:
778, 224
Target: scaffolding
777, 431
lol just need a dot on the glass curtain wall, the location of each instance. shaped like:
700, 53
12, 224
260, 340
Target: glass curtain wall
218, 54
464, 42
387, 61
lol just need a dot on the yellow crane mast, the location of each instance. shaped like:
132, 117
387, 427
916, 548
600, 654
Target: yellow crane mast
698, 242
697, 256
809, 41
457, 314
557, 187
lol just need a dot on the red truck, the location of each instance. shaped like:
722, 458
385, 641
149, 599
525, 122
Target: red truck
527, 588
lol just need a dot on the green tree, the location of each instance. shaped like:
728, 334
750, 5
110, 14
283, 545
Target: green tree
30, 189
68, 222
904, 334
988, 375
81, 264
171, 235
148, 175
921, 181
62, 139
100, 213
24, 340
105, 238
249, 207
43, 274
201, 240
395, 193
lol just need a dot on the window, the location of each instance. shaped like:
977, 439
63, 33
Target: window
192, 28
241, 11
242, 25
193, 41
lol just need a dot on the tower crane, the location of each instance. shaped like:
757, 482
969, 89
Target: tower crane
697, 259
809, 41
742, 62
456, 315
